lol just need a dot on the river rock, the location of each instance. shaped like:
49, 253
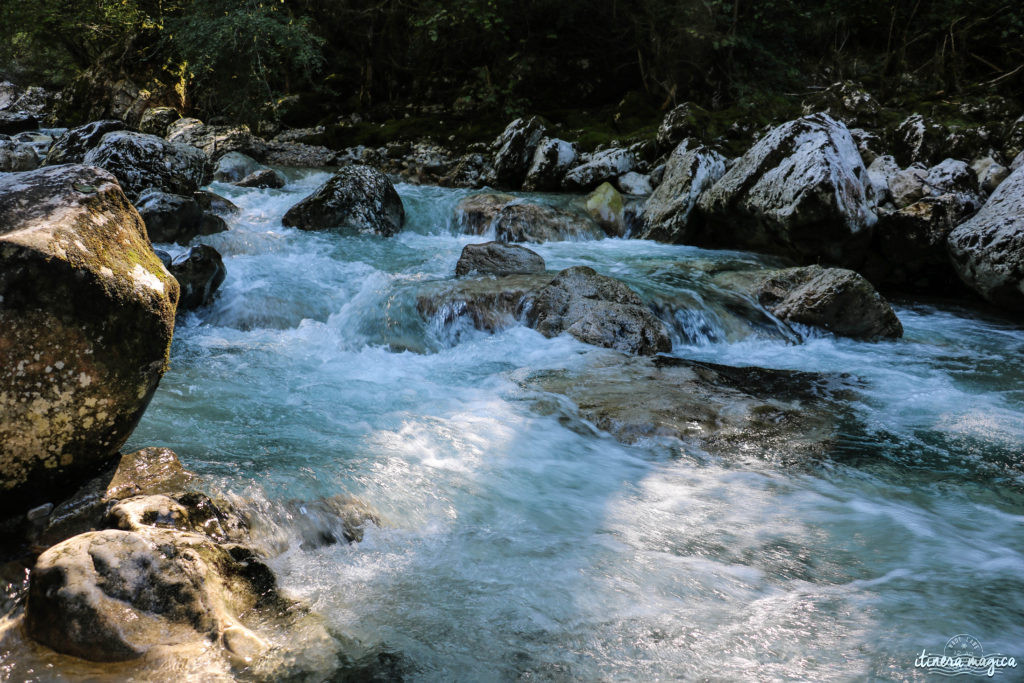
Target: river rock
799, 192
486, 303
156, 120
519, 220
988, 249
176, 218
919, 140
635, 184
515, 148
356, 198
551, 161
200, 272
603, 166
682, 122
598, 310
17, 156
691, 169
836, 299
216, 141
990, 173
113, 595
210, 201
264, 178
74, 265
72, 146
12, 122
142, 161
880, 173
234, 166
733, 412
953, 176
605, 206
910, 245
495, 258
472, 170
475, 214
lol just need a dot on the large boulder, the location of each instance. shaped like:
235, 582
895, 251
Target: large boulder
515, 148
176, 218
142, 161
690, 171
356, 198
495, 258
799, 192
17, 156
836, 299
551, 161
988, 250
156, 120
86, 318
72, 146
603, 166
597, 310
216, 141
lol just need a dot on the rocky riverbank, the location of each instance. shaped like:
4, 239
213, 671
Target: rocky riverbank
130, 557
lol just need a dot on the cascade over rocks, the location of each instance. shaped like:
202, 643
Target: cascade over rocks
142, 161
495, 258
597, 310
356, 198
691, 169
988, 249
488, 303
799, 192
515, 149
86, 317
72, 146
518, 220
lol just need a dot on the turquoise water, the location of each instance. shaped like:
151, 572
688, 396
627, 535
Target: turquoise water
519, 545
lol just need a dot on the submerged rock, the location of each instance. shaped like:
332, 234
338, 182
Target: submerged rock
598, 310
73, 145
836, 299
689, 172
75, 264
495, 258
141, 162
798, 192
988, 250
779, 415
356, 198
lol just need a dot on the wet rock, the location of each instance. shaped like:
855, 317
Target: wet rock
495, 258
778, 415
216, 141
470, 171
209, 201
74, 265
157, 120
551, 161
234, 166
798, 192
605, 206
356, 198
328, 521
487, 303
919, 140
836, 299
200, 272
847, 102
635, 184
114, 595
176, 218
684, 121
264, 178
988, 249
17, 156
515, 148
690, 171
141, 162
12, 122
517, 220
598, 310
73, 145
602, 167
910, 245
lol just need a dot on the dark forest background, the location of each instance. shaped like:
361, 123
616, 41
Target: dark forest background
308, 61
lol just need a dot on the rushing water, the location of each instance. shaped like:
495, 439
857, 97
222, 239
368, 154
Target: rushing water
517, 544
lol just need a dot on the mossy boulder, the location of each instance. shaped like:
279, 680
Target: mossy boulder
86, 318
